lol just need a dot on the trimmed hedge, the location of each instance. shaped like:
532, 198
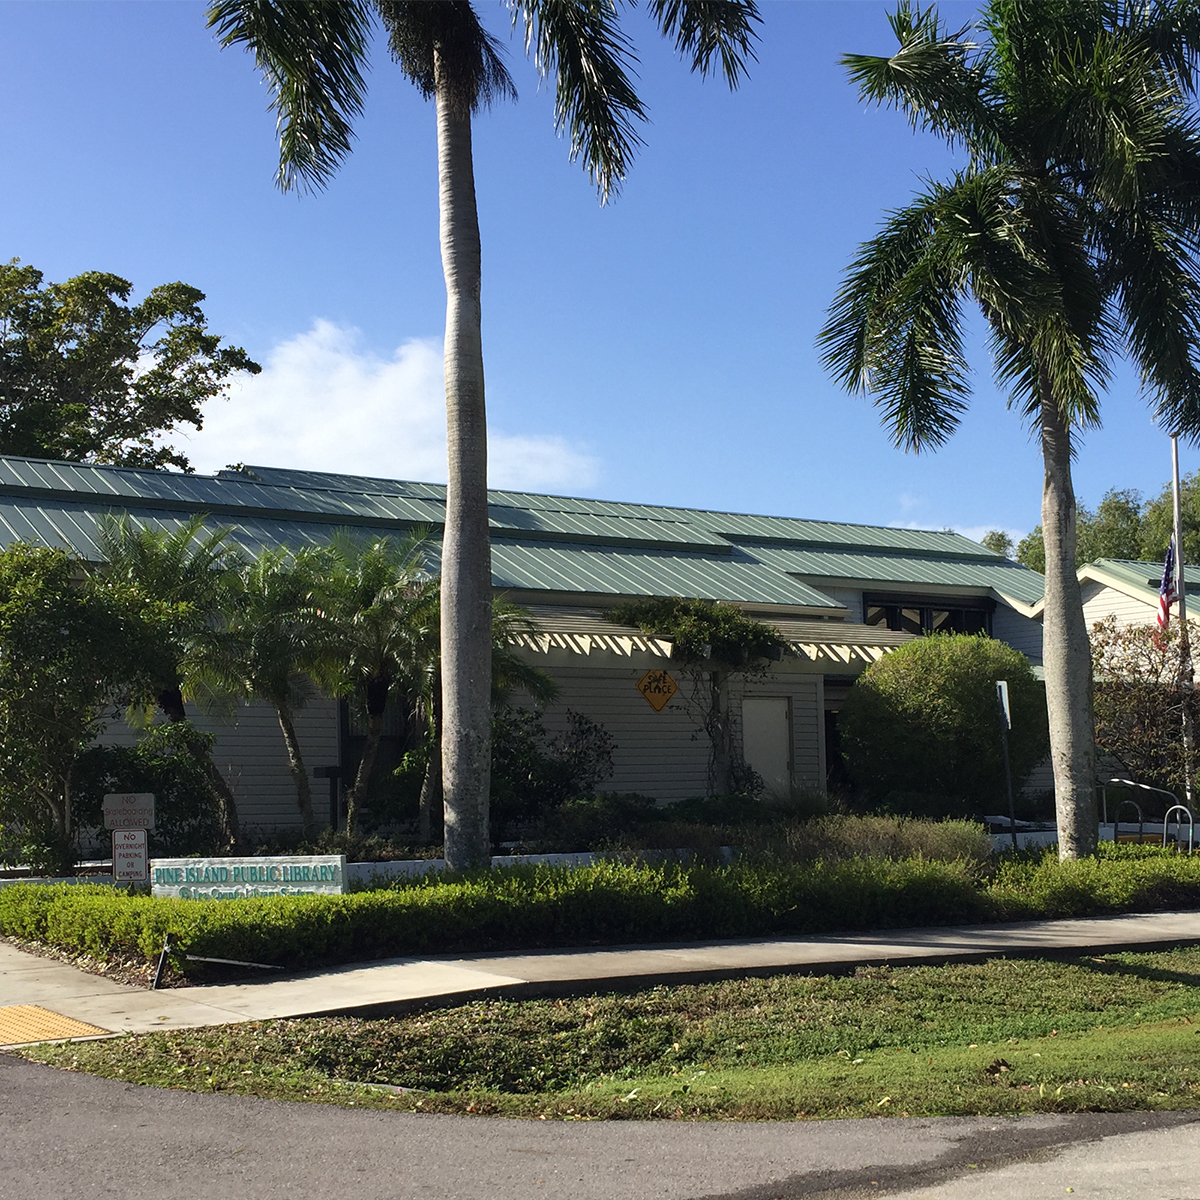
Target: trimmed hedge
609, 903
503, 909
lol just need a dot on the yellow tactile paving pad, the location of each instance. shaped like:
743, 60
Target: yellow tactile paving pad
31, 1023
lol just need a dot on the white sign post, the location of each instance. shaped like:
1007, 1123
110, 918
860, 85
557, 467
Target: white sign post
129, 810
131, 863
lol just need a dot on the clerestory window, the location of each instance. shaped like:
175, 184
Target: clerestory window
923, 615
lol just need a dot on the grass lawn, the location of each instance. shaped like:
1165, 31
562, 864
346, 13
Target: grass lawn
1006, 1036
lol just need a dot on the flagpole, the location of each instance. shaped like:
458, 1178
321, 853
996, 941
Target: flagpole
1186, 679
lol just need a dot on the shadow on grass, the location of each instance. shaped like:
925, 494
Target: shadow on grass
1107, 966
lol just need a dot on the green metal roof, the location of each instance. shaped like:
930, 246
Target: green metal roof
1142, 576
895, 570
540, 543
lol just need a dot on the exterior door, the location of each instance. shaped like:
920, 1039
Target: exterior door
767, 740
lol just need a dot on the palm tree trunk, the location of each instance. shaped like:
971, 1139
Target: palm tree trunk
376, 704
431, 791
466, 621
1067, 653
362, 777
296, 764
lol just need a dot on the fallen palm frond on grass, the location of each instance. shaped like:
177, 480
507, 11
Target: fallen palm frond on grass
1003, 1037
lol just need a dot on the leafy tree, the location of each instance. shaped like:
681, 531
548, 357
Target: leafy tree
998, 542
168, 761
923, 721
65, 650
1158, 522
179, 581
1072, 226
313, 55
87, 376
1139, 703
1114, 530
715, 644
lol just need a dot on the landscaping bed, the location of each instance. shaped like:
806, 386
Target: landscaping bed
1111, 1033
610, 903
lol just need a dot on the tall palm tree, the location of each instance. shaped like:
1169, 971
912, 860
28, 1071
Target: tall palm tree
1074, 227
271, 637
180, 579
313, 54
379, 634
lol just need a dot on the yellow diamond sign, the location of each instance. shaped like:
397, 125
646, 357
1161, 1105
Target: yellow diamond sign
657, 687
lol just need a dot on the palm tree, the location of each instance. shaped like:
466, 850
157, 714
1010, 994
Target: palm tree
313, 54
1074, 229
378, 636
268, 643
180, 580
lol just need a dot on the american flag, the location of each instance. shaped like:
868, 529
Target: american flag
1168, 593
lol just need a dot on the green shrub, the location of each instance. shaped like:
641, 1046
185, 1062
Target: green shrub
595, 822
169, 760
606, 904
524, 907
534, 771
920, 729
1121, 879
839, 837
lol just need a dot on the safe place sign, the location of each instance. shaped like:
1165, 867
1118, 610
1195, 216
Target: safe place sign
245, 878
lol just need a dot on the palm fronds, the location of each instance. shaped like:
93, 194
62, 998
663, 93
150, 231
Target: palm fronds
313, 57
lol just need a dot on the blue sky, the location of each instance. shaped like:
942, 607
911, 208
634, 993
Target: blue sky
659, 349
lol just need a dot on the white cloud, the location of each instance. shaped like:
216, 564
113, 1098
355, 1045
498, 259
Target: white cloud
325, 403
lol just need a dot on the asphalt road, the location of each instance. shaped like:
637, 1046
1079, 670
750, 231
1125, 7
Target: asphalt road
67, 1135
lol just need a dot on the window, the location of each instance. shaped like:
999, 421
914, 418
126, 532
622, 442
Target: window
929, 614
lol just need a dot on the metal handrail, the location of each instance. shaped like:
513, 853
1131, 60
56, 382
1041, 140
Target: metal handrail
1183, 808
1132, 784
1141, 820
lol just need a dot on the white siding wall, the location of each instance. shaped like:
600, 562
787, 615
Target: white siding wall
851, 600
250, 754
1021, 633
664, 754
1100, 600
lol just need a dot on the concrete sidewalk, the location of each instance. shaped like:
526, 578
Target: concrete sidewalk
392, 985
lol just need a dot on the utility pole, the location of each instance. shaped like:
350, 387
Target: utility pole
1186, 677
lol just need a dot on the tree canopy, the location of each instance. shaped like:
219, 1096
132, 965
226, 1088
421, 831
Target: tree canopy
1125, 525
88, 376
922, 726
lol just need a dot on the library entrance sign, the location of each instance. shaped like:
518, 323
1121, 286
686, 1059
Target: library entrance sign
245, 878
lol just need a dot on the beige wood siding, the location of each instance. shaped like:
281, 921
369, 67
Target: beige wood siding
853, 600
250, 753
659, 754
1040, 779
1021, 633
1100, 600
664, 754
